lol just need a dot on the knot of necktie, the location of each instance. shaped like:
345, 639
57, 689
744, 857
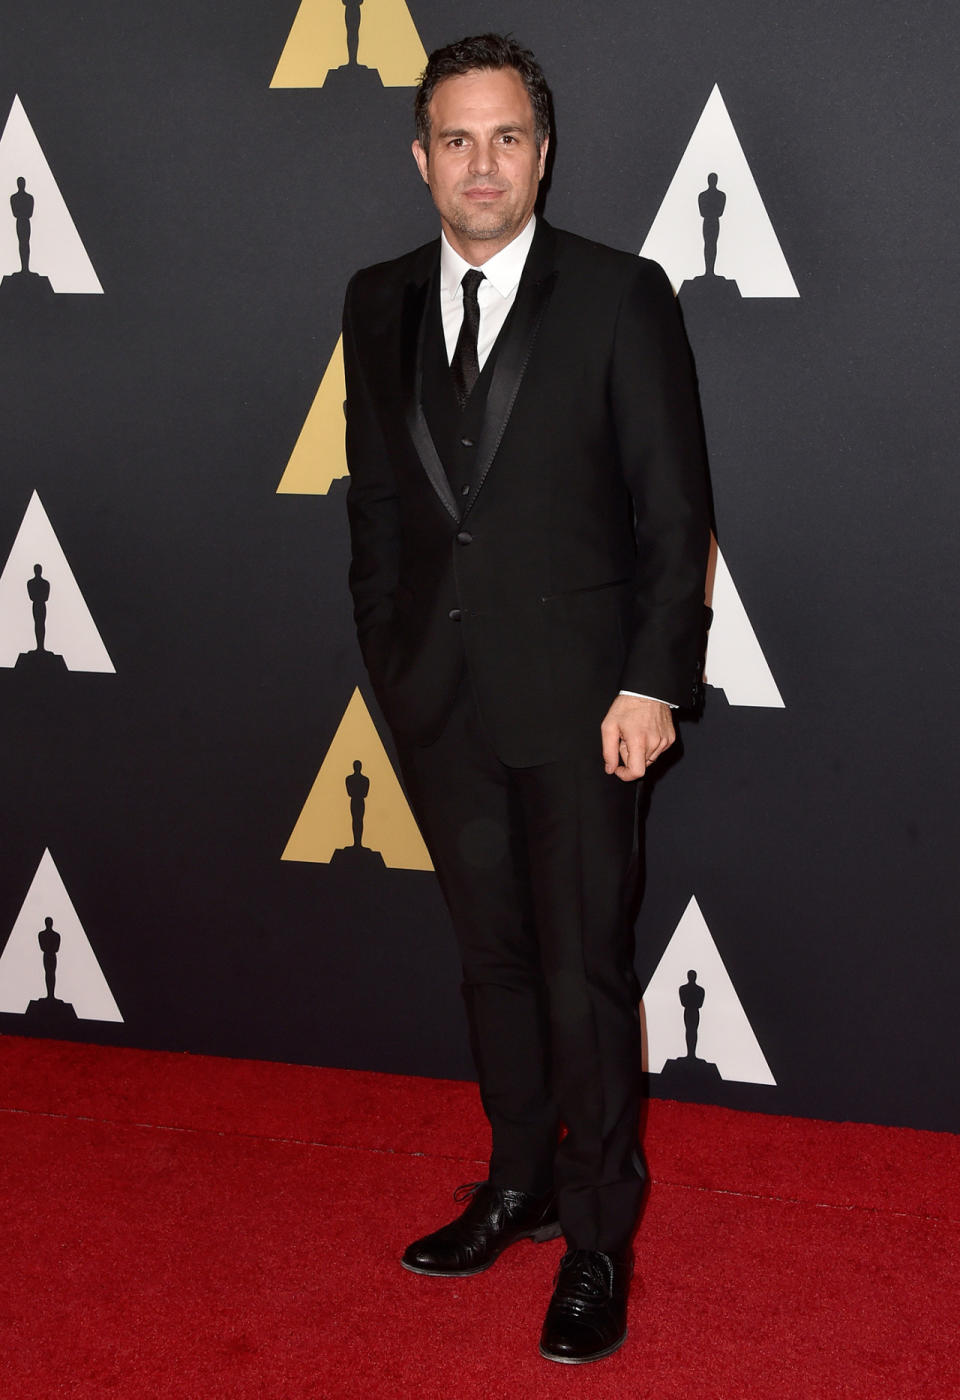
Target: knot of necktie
470, 283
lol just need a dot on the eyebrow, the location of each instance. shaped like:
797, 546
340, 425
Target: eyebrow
507, 127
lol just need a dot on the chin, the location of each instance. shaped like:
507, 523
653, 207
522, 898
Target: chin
478, 232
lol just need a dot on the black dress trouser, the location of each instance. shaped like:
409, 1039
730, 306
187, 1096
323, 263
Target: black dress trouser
535, 865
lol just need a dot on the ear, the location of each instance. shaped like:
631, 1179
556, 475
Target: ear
420, 156
543, 155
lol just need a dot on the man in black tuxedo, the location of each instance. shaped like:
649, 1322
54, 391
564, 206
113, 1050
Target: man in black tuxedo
529, 520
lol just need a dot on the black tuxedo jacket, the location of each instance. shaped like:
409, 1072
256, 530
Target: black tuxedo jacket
575, 566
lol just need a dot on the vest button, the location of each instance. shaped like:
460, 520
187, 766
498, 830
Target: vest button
466, 442
464, 537
465, 490
454, 614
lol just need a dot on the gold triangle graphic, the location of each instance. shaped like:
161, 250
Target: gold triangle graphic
317, 43
390, 43
325, 825
319, 457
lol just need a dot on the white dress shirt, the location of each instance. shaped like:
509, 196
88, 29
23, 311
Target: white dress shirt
496, 293
495, 296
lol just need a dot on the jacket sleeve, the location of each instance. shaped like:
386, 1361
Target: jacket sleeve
372, 504
660, 437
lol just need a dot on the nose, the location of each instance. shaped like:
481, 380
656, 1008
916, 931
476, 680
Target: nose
483, 161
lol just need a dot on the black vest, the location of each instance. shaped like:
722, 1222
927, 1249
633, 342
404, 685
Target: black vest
455, 430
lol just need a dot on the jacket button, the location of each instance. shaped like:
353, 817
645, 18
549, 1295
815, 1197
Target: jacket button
454, 614
465, 490
466, 442
464, 537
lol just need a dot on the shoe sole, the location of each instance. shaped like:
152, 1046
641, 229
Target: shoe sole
582, 1360
549, 1232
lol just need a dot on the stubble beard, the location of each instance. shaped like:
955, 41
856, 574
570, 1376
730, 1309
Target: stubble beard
475, 227
479, 233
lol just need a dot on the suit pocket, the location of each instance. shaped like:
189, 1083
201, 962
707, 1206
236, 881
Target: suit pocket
586, 590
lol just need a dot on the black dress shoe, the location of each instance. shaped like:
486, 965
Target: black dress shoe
494, 1219
587, 1316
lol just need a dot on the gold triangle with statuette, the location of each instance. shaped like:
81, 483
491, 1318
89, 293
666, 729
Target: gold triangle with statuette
356, 814
382, 33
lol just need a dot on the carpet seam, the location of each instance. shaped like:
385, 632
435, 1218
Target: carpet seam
471, 1161
815, 1205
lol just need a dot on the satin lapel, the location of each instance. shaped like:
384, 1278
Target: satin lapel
514, 352
415, 311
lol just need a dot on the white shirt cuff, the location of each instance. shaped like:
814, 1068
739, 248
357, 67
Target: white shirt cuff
638, 696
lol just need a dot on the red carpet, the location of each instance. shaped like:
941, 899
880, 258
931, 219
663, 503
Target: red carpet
183, 1228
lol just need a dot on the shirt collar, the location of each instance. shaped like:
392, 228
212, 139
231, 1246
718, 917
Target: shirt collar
503, 270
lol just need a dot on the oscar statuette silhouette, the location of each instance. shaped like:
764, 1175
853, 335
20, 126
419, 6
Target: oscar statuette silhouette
353, 76
48, 1013
710, 291
688, 1074
24, 288
40, 661
358, 787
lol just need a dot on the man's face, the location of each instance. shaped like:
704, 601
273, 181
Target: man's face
483, 167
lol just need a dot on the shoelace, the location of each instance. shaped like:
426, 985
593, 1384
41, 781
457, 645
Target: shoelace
594, 1278
467, 1191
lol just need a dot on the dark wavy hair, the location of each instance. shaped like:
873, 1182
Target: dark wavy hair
483, 51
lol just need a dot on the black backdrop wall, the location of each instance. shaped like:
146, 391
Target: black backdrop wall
195, 227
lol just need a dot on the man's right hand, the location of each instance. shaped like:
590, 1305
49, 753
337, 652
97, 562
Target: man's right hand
635, 732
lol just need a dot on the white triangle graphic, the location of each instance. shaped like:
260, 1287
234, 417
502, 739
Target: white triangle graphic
79, 980
56, 251
70, 630
748, 250
735, 662
725, 1036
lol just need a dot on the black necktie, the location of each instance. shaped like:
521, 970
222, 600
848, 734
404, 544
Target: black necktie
465, 366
